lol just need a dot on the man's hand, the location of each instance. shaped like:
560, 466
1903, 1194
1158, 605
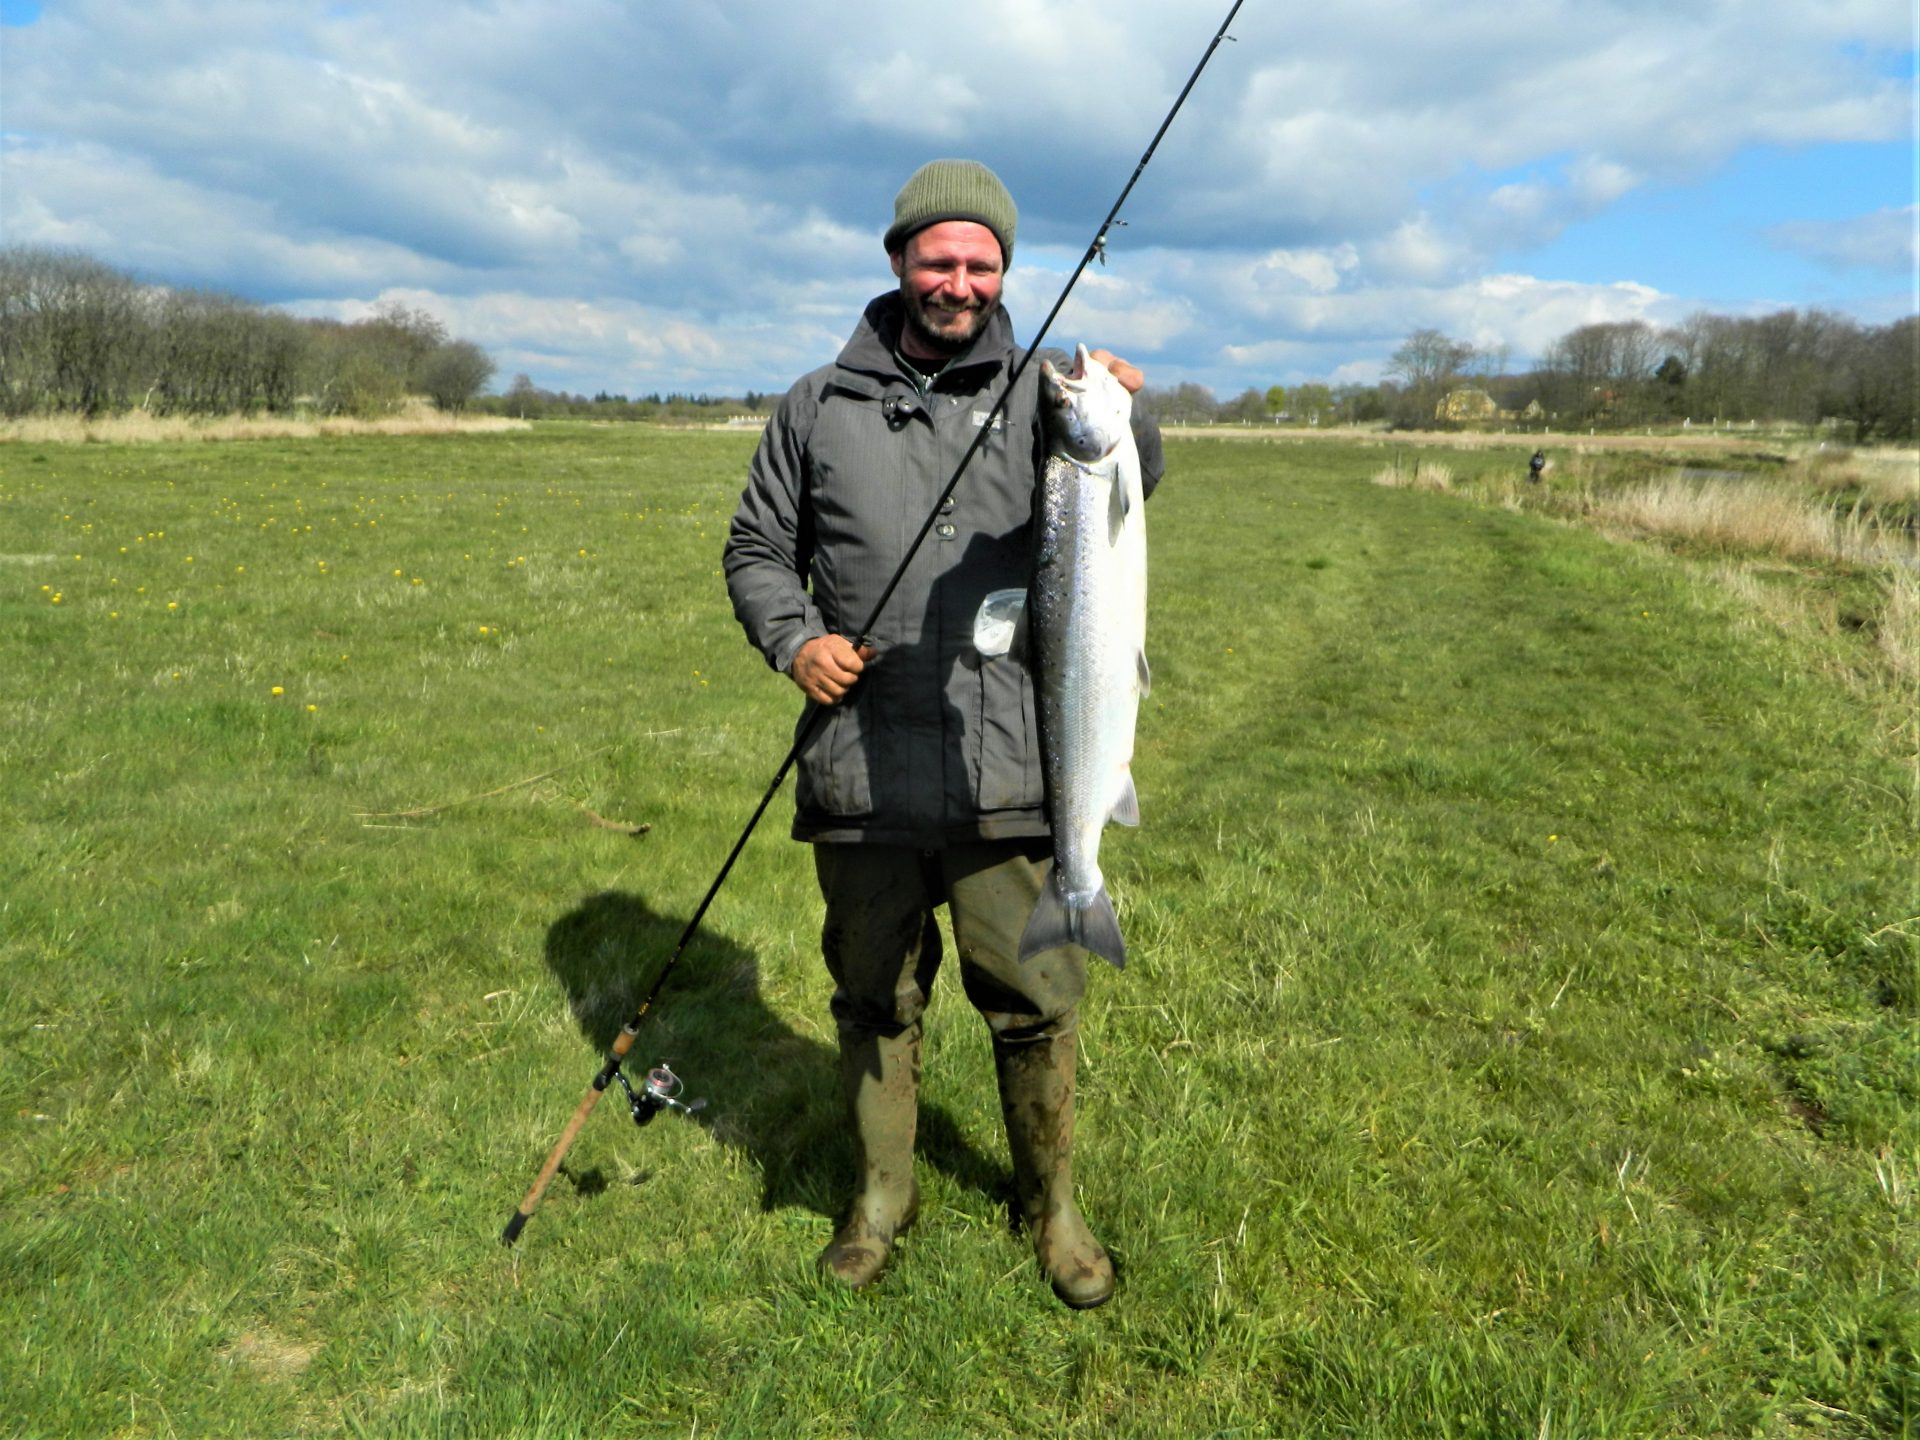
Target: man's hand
826, 667
1129, 376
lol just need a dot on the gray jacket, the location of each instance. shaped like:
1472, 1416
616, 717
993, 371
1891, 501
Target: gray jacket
934, 745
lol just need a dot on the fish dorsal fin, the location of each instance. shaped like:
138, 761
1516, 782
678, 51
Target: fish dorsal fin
1146, 675
1126, 809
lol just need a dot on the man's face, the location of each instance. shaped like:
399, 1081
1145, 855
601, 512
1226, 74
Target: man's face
950, 277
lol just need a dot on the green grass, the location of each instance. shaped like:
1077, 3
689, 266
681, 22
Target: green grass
1520, 1039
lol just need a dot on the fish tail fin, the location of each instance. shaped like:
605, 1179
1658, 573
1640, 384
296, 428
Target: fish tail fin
1093, 927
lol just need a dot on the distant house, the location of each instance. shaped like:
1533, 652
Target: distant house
1467, 407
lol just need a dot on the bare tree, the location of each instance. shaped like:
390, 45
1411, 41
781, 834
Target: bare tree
1429, 363
71, 332
1184, 404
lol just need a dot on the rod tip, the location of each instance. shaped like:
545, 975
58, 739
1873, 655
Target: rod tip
514, 1227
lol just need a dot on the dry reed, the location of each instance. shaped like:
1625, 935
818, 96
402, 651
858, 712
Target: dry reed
1420, 475
1780, 518
1899, 631
140, 427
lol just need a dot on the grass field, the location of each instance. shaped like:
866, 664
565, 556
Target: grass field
1520, 1040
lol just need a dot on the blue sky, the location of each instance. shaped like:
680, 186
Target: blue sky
690, 197
1717, 238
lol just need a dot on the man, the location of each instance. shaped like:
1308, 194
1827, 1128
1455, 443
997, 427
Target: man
923, 785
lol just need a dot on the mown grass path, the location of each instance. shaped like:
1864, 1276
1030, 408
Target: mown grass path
1520, 1039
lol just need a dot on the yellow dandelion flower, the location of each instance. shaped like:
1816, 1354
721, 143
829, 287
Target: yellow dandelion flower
279, 690
313, 709
173, 604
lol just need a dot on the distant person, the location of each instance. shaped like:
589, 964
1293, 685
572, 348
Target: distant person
924, 786
1536, 466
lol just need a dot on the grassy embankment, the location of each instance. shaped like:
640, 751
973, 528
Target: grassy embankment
1520, 1040
1816, 538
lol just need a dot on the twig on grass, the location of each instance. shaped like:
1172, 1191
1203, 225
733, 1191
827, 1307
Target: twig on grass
619, 827
422, 812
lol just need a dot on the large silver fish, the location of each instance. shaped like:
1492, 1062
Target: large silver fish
1087, 619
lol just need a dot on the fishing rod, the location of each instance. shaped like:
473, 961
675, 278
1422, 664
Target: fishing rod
661, 1088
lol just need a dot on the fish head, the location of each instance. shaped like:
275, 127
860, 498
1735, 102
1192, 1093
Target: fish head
1086, 410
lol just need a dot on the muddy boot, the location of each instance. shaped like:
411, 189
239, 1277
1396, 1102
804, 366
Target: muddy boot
882, 1080
1036, 1096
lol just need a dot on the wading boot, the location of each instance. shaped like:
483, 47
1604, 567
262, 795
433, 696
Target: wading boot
1036, 1096
882, 1081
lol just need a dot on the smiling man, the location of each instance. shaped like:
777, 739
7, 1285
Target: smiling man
923, 787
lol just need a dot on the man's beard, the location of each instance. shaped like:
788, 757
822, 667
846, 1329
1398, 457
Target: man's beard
917, 314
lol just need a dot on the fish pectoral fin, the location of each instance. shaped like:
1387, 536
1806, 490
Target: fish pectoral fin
1126, 809
1119, 507
1000, 625
1146, 675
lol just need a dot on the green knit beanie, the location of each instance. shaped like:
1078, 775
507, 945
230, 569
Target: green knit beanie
953, 190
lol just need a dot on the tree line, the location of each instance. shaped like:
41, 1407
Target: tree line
525, 400
1806, 367
79, 335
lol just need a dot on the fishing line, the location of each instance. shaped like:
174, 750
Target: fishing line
662, 1087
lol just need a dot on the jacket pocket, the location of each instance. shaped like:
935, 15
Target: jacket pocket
834, 774
1008, 775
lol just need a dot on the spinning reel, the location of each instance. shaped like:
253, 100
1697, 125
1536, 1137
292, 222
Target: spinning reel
659, 1091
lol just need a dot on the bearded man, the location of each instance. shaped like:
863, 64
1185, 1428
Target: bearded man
923, 786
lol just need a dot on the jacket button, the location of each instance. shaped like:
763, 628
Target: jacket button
946, 531
946, 506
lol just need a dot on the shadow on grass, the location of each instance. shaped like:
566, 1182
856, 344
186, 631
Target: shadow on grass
770, 1090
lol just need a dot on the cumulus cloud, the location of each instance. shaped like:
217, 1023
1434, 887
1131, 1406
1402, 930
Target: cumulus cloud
692, 195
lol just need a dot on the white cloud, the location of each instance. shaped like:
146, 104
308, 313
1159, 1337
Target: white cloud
1887, 240
913, 96
702, 187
